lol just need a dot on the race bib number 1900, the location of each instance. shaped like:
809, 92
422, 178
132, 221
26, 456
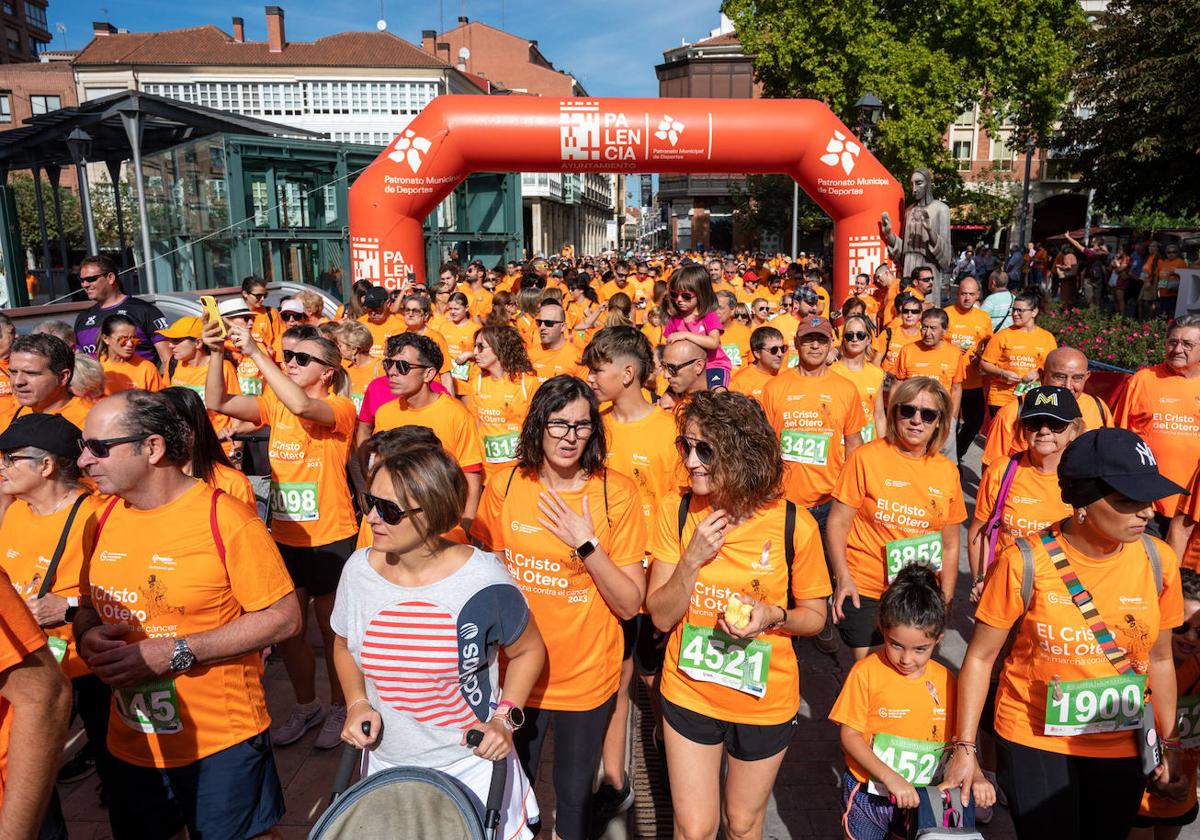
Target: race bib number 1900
925, 549
152, 707
1107, 704
916, 761
294, 501
709, 655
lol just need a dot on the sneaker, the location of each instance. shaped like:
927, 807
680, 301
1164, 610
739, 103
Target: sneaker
79, 766
607, 803
331, 733
302, 719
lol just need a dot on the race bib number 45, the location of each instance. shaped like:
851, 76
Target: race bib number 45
916, 761
294, 501
1107, 704
805, 447
925, 549
152, 707
709, 655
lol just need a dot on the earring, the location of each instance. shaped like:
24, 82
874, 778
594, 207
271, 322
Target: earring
1081, 516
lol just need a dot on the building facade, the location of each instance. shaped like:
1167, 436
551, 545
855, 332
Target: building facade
34, 88
26, 32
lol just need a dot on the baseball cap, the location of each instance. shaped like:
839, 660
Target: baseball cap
1050, 401
292, 305
52, 433
189, 326
231, 307
820, 326
1117, 458
806, 294
375, 297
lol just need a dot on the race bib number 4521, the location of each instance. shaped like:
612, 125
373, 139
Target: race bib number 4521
709, 655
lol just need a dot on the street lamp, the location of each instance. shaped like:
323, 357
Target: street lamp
79, 145
869, 108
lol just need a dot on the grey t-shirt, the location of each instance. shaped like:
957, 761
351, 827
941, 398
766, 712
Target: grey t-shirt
429, 654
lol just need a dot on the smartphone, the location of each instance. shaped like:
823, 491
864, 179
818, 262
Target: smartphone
214, 316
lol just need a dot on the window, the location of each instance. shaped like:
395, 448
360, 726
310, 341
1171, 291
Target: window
962, 153
966, 119
9, 8
12, 39
97, 93
36, 15
41, 104
5, 107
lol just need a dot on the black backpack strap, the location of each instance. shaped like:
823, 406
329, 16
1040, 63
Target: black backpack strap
789, 546
508, 486
685, 502
1103, 409
52, 570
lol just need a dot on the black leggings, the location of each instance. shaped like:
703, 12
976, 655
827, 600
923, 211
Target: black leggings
971, 412
1068, 797
578, 740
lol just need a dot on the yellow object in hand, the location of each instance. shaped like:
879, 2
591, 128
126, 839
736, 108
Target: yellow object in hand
737, 612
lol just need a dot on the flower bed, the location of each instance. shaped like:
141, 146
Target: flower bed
1106, 337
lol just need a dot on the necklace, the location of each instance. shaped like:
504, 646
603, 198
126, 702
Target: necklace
59, 505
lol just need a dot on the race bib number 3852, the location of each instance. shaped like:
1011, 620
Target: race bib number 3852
925, 549
709, 655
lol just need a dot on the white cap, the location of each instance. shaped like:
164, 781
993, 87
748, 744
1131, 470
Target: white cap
292, 305
232, 306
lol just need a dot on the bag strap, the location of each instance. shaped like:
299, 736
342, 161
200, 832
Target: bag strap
1027, 571
52, 569
1083, 600
789, 546
1155, 562
1103, 409
685, 502
992, 527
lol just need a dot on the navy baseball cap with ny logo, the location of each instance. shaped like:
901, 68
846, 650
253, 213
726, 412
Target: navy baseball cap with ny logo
1120, 459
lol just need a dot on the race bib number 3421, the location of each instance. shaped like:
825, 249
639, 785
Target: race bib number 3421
805, 447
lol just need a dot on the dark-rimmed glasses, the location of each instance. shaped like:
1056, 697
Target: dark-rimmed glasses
102, 447
390, 512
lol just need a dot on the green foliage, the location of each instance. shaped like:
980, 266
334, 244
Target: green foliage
927, 61
1144, 217
763, 208
27, 216
1135, 136
992, 199
1107, 337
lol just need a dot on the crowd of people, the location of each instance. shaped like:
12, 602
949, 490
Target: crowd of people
507, 494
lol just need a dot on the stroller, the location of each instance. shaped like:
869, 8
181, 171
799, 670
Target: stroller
404, 802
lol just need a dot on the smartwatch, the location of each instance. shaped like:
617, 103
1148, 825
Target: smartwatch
585, 551
72, 608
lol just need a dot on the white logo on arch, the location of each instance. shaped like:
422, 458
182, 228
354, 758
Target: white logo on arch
669, 129
841, 150
410, 149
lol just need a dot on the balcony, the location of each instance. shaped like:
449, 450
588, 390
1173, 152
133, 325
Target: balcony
542, 185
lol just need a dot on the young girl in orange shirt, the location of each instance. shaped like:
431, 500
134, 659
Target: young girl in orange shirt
117, 351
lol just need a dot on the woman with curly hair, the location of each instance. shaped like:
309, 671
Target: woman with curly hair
737, 571
573, 536
497, 393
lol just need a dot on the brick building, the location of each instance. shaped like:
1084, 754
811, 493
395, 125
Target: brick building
26, 32
34, 88
507, 60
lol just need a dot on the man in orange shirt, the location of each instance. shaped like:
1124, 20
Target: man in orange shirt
768, 347
818, 416
683, 368
379, 320
1167, 280
933, 357
1161, 405
184, 590
969, 330
41, 366
554, 355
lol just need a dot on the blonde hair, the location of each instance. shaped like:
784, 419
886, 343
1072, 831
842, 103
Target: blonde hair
356, 334
906, 391
312, 302
88, 379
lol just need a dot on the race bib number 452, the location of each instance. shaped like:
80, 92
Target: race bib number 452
1107, 704
916, 761
709, 655
294, 501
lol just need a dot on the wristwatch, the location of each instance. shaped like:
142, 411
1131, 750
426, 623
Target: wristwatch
512, 715
72, 608
585, 551
183, 658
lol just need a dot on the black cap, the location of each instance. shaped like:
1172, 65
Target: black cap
1119, 459
52, 433
375, 297
1050, 401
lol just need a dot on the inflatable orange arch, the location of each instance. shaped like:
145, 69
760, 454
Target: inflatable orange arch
458, 135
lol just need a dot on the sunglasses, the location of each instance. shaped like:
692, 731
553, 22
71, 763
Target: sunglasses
408, 310
7, 461
908, 411
559, 429
778, 350
302, 359
292, 316
102, 448
1035, 424
856, 336
128, 340
546, 322
703, 449
401, 366
910, 311
685, 296
673, 370
1184, 629
255, 295
390, 512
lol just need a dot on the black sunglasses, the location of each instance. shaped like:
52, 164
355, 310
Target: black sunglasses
546, 322
389, 511
704, 450
292, 316
255, 295
302, 359
856, 336
673, 370
683, 295
910, 311
907, 411
102, 447
778, 350
401, 366
1035, 424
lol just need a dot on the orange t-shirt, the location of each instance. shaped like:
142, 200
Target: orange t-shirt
1167, 285
891, 345
19, 637
751, 562
812, 416
1163, 407
360, 377
1190, 506
789, 325
867, 381
193, 377
380, 333
875, 697
29, 542
896, 497
564, 360
1055, 641
1004, 437
526, 326
751, 381
735, 341
460, 338
8, 402
1187, 684
1034, 501
1013, 349
249, 376
945, 363
310, 497
654, 334
582, 635
124, 376
479, 302
446, 418
267, 327
968, 331
440, 341
235, 483
499, 407
644, 450
175, 584
75, 409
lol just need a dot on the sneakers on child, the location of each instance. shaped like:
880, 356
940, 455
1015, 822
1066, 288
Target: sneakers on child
302, 719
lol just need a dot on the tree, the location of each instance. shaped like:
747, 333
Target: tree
763, 208
27, 217
1135, 134
992, 198
927, 61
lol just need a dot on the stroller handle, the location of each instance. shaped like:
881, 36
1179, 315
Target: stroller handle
495, 798
345, 770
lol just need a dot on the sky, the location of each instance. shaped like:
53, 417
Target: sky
611, 46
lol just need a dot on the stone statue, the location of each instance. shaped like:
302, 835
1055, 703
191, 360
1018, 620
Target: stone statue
926, 239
